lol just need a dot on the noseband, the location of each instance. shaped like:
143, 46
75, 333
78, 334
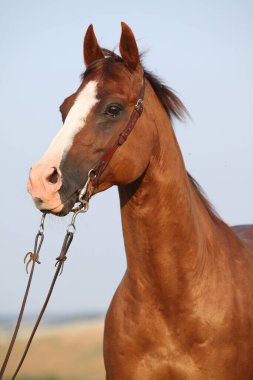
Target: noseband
95, 173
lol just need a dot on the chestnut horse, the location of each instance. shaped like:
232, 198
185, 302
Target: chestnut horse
184, 308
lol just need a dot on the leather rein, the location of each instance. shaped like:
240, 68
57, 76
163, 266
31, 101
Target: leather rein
85, 193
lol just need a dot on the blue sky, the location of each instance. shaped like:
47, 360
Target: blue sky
201, 49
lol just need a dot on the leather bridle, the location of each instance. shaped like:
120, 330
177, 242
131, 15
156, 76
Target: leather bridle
95, 173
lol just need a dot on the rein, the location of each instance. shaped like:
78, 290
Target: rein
85, 193
34, 258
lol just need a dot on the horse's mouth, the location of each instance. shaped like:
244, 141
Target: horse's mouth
61, 209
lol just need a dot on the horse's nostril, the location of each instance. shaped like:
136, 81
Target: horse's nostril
54, 176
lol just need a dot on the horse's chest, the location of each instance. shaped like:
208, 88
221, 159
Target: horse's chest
139, 343
145, 350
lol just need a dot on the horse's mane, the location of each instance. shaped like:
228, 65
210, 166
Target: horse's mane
202, 196
170, 102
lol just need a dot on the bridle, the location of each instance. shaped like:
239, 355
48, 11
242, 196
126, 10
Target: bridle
95, 173
84, 195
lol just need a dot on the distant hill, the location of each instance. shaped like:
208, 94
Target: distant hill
7, 321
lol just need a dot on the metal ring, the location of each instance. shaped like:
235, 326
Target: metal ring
84, 190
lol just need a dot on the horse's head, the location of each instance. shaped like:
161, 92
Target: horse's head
93, 117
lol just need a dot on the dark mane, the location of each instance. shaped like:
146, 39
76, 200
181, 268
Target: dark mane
202, 196
170, 102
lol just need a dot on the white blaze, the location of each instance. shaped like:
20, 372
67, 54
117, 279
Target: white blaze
74, 122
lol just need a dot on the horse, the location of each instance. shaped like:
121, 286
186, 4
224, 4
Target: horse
184, 307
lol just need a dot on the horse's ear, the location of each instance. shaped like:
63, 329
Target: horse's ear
128, 47
91, 48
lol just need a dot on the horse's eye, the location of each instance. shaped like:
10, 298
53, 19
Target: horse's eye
113, 110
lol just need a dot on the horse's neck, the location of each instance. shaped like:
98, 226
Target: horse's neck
166, 226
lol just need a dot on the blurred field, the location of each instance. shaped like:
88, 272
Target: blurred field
67, 352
